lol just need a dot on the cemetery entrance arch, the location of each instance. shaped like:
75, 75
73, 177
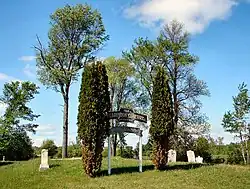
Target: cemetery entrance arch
126, 115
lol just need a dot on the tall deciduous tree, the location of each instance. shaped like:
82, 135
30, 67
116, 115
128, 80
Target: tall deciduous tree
76, 33
162, 119
170, 50
125, 91
93, 123
16, 96
235, 121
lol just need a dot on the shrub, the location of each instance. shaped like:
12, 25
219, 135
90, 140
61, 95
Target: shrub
50, 146
202, 148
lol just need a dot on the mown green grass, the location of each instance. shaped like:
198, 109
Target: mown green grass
69, 174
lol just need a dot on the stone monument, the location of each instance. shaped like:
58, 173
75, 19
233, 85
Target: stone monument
3, 158
171, 155
44, 160
199, 159
191, 156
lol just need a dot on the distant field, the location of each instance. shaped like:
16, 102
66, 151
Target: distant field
69, 175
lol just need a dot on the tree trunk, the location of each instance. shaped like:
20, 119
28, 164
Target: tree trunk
242, 149
248, 158
114, 144
65, 124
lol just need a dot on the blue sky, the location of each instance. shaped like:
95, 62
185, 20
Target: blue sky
220, 37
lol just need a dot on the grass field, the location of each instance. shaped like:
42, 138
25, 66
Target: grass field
69, 174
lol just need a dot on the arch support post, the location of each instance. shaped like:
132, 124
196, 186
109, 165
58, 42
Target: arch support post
140, 153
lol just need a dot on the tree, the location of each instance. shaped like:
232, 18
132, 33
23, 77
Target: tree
93, 123
16, 96
170, 51
124, 92
76, 33
162, 119
50, 146
202, 148
235, 121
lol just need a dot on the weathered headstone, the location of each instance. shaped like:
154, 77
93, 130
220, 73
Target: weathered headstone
3, 158
199, 159
191, 156
44, 160
171, 155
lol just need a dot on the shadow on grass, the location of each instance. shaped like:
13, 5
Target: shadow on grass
121, 170
54, 165
134, 169
5, 163
185, 166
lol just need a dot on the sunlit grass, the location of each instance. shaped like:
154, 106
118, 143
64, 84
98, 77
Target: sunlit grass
69, 174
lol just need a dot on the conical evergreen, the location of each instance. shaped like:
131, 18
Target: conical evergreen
93, 123
162, 119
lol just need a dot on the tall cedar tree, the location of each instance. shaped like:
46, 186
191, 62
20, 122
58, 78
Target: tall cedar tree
93, 123
162, 125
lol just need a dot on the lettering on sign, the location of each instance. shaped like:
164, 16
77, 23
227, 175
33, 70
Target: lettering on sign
126, 115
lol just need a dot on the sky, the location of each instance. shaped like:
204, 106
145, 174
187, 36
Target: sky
219, 36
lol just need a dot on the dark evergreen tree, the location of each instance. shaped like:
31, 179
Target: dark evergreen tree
162, 119
93, 123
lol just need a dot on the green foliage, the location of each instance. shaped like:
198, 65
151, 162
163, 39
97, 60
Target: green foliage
162, 119
19, 146
74, 150
170, 50
93, 123
16, 96
236, 123
76, 33
50, 146
202, 148
127, 152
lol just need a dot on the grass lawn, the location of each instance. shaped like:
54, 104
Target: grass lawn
69, 174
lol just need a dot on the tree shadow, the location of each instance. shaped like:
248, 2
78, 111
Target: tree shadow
185, 166
121, 170
54, 165
5, 163
134, 169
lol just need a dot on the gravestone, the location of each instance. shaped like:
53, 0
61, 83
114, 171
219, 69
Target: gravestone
171, 155
191, 156
199, 159
3, 158
44, 160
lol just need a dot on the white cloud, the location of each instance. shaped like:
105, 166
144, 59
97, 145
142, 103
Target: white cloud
195, 14
7, 78
46, 130
29, 70
27, 58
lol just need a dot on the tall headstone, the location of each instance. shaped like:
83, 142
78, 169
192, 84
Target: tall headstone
171, 155
191, 156
3, 158
199, 159
44, 160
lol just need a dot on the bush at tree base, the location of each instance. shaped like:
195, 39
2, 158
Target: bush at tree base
93, 123
162, 119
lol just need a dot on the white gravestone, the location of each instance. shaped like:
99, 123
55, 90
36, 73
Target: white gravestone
171, 155
44, 160
199, 159
3, 158
191, 156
